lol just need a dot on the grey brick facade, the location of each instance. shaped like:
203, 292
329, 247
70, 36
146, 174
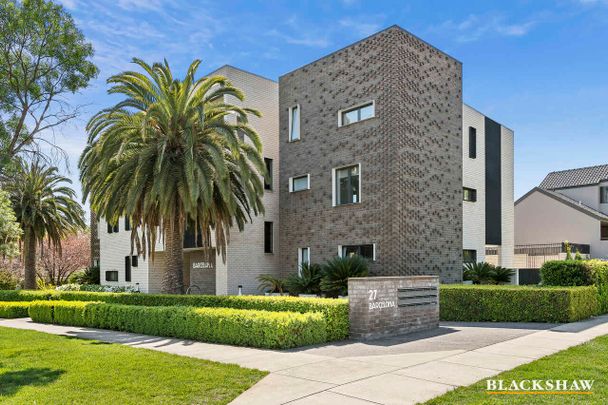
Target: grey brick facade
410, 156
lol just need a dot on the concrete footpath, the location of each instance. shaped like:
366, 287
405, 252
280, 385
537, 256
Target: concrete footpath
398, 370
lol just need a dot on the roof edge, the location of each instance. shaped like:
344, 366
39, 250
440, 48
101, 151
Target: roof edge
226, 65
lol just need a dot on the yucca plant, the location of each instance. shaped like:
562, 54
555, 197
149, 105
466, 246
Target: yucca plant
338, 270
478, 272
308, 281
271, 284
501, 275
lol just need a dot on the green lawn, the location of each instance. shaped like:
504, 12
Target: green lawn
588, 361
47, 369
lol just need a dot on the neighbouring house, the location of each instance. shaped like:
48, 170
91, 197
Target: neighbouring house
568, 205
372, 153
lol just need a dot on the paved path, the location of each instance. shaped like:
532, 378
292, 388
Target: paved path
399, 370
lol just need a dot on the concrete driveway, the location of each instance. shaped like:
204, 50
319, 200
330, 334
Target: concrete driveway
399, 370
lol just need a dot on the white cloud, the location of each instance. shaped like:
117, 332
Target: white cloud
308, 39
362, 26
69, 4
475, 27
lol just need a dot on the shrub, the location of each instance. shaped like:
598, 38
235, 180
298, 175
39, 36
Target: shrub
566, 273
271, 284
486, 273
335, 311
7, 280
273, 330
308, 281
599, 269
95, 288
14, 309
338, 270
478, 303
90, 275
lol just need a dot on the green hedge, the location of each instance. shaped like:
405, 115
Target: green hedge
478, 303
14, 309
272, 330
335, 311
600, 279
566, 273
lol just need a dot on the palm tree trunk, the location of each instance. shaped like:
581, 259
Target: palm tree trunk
173, 279
29, 259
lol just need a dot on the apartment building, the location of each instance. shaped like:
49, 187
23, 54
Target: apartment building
568, 205
372, 153
249, 253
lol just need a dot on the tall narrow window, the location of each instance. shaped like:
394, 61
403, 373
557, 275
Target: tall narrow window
294, 123
604, 195
472, 142
127, 224
268, 237
134, 261
303, 257
268, 180
604, 231
347, 184
127, 268
469, 194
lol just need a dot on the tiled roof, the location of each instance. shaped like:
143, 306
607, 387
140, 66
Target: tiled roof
577, 205
575, 177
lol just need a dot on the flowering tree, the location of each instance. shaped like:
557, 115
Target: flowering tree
55, 267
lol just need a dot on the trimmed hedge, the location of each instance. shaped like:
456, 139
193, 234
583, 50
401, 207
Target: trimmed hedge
14, 309
566, 273
272, 330
478, 303
600, 279
335, 311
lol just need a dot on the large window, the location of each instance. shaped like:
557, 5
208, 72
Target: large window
299, 183
604, 231
294, 123
366, 251
356, 114
604, 195
472, 142
303, 257
469, 256
469, 194
268, 237
127, 268
347, 185
112, 275
268, 180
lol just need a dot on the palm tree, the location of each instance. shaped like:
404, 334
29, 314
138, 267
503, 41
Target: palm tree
45, 208
173, 155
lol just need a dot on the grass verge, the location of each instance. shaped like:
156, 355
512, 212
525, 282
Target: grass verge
40, 368
588, 361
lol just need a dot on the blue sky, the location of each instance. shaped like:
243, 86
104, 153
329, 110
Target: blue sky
538, 67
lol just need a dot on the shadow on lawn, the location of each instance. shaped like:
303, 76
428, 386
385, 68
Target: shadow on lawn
12, 381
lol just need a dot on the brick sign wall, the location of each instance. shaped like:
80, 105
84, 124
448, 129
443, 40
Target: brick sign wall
384, 306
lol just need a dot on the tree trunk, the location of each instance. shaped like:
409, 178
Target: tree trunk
173, 279
29, 259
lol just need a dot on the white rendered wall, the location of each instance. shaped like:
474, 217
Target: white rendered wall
474, 176
588, 195
507, 205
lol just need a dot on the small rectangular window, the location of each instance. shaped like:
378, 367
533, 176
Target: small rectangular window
356, 114
268, 180
472, 143
604, 231
112, 228
111, 275
299, 183
294, 123
347, 182
127, 268
268, 237
469, 194
127, 224
604, 195
365, 251
469, 256
109, 227
303, 257
134, 261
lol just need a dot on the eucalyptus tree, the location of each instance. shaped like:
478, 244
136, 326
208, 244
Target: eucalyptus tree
174, 155
45, 207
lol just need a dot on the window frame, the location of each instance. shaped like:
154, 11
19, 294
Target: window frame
112, 279
134, 261
290, 128
269, 163
128, 269
603, 225
373, 245
113, 228
269, 249
602, 195
359, 106
291, 181
473, 192
474, 256
300, 261
334, 194
472, 143
127, 224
